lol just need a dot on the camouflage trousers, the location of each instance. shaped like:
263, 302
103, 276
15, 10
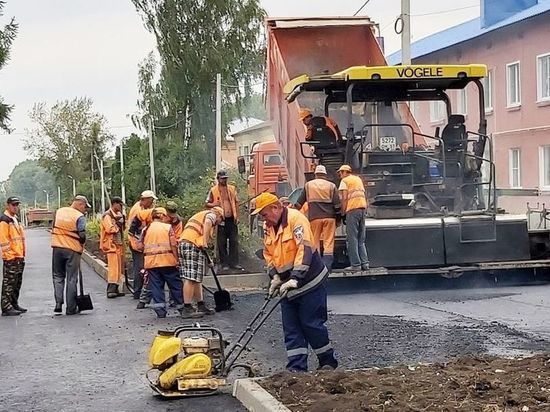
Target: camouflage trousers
11, 283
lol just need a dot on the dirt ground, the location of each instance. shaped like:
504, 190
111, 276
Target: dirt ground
481, 384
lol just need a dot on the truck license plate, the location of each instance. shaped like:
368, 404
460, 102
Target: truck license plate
388, 143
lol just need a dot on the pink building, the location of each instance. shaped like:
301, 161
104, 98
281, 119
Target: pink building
512, 37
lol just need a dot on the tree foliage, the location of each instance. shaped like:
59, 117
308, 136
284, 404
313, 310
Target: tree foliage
7, 36
27, 180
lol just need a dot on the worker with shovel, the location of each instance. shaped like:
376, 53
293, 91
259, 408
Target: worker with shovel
298, 273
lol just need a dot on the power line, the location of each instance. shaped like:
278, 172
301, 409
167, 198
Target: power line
361, 8
445, 11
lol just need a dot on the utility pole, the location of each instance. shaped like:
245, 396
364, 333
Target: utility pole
122, 186
218, 121
59, 197
406, 32
102, 185
152, 156
93, 186
47, 199
74, 184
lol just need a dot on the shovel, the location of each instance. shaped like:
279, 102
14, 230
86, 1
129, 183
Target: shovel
222, 298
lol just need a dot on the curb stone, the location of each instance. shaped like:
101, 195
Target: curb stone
255, 398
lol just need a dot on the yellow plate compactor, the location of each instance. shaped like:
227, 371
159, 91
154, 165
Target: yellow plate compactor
192, 360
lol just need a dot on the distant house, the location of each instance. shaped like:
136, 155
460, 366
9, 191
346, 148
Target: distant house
244, 139
512, 37
230, 148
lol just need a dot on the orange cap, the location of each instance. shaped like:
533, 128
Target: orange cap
263, 200
304, 113
344, 168
217, 210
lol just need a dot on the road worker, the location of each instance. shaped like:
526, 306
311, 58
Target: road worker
193, 243
297, 273
110, 243
175, 219
354, 204
68, 238
12, 241
160, 253
323, 203
320, 128
224, 195
141, 210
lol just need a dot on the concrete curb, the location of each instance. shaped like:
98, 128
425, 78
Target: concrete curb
255, 398
96, 264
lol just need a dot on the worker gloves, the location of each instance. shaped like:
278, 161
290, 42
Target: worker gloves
274, 286
288, 285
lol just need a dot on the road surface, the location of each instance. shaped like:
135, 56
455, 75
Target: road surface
97, 360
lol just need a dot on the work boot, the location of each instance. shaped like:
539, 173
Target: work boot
112, 290
188, 312
19, 308
119, 293
140, 305
352, 269
76, 312
205, 310
11, 312
58, 308
365, 266
326, 368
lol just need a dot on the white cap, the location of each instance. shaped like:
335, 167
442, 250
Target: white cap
147, 194
320, 170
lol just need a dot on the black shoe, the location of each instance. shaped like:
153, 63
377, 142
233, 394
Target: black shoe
58, 308
11, 312
205, 310
140, 305
120, 294
76, 312
188, 312
365, 266
19, 308
112, 295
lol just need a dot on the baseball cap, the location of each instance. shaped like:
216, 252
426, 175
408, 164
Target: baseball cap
117, 200
320, 170
13, 200
159, 211
222, 174
147, 194
344, 168
263, 200
171, 206
82, 198
304, 113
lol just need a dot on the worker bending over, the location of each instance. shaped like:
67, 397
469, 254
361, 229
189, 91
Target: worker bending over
192, 259
354, 204
319, 128
160, 253
175, 219
110, 243
323, 203
12, 241
297, 273
139, 217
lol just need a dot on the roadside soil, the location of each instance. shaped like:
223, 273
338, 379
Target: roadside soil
485, 384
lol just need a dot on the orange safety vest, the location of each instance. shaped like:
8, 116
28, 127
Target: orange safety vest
193, 232
320, 191
157, 249
144, 215
177, 226
12, 238
108, 230
284, 249
356, 193
232, 193
64, 233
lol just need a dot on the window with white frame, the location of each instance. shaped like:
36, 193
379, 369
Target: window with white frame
437, 111
461, 102
543, 77
544, 166
513, 84
488, 90
515, 167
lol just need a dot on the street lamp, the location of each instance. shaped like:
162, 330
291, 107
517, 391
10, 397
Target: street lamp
74, 184
47, 199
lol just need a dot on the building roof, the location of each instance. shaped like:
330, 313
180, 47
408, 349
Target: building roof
238, 125
466, 31
258, 126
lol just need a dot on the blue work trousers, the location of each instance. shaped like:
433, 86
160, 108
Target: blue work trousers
304, 320
355, 237
157, 278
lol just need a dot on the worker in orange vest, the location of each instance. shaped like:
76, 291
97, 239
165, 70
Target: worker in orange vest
175, 219
319, 124
110, 243
224, 195
321, 196
12, 242
354, 204
192, 260
298, 274
139, 217
68, 238
160, 253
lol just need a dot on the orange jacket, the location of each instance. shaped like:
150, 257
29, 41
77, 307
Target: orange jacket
322, 198
215, 196
12, 238
356, 192
159, 246
193, 232
144, 217
177, 226
64, 231
110, 234
330, 123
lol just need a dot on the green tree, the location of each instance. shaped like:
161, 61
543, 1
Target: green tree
7, 35
28, 179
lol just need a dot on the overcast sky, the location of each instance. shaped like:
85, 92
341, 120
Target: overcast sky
70, 48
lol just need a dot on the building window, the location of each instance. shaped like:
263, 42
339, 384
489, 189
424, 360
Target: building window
544, 166
488, 91
514, 169
437, 111
461, 102
513, 84
240, 150
543, 77
246, 151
